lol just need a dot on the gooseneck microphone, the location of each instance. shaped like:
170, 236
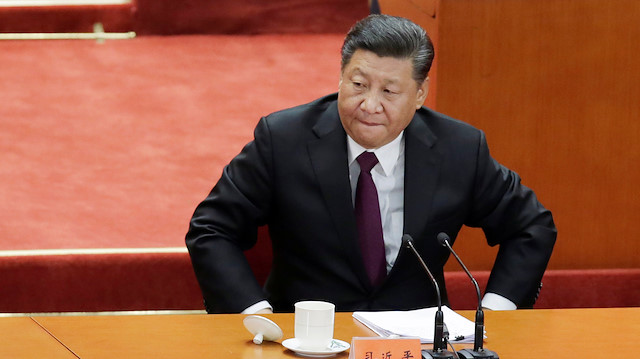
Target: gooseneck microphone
439, 344
478, 351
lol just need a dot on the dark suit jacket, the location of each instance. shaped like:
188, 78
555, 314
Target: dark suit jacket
294, 178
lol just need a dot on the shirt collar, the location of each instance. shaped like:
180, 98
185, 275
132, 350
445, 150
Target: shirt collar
387, 155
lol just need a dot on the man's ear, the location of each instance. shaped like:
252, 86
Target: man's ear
423, 91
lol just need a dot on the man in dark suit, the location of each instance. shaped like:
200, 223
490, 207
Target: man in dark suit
301, 176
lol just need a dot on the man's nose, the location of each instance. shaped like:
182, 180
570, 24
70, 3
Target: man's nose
371, 103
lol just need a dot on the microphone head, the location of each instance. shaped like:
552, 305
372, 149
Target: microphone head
443, 239
407, 241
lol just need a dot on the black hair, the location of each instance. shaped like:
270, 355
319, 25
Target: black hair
391, 36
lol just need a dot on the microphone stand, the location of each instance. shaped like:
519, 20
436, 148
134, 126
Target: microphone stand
439, 344
478, 351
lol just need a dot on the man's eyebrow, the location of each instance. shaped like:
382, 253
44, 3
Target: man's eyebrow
359, 71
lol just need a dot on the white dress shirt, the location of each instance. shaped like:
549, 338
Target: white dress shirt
388, 176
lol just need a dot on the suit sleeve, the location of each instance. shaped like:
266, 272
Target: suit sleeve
512, 217
225, 224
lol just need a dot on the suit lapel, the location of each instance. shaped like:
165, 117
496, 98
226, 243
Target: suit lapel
329, 159
422, 167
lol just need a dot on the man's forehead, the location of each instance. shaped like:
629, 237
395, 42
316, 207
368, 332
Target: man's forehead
390, 69
367, 74
369, 55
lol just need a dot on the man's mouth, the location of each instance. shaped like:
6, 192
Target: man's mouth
368, 123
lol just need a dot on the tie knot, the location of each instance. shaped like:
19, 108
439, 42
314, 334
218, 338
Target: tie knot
367, 160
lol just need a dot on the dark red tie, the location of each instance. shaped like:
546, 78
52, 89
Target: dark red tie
368, 220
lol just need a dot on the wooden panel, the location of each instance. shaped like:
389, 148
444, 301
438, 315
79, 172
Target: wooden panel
554, 84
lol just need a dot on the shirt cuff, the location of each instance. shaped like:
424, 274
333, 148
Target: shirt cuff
257, 307
497, 302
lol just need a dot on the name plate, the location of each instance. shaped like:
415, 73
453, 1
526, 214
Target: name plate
385, 348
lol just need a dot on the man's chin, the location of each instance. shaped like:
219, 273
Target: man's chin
370, 142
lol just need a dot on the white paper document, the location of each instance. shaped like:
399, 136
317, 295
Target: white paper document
418, 323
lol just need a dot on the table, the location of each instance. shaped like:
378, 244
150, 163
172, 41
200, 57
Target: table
522, 334
22, 337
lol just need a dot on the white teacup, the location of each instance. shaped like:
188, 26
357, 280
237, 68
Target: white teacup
314, 324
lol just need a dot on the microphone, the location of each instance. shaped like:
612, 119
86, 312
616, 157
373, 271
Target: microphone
478, 351
439, 344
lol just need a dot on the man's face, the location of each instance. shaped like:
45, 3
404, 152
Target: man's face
378, 97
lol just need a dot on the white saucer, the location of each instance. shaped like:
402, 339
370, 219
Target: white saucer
337, 346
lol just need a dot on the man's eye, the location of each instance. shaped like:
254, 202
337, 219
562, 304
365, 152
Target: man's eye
357, 84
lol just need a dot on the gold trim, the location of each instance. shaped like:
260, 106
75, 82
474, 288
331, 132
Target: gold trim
98, 34
45, 3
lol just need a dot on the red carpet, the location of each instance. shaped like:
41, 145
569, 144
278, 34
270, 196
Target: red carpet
113, 145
